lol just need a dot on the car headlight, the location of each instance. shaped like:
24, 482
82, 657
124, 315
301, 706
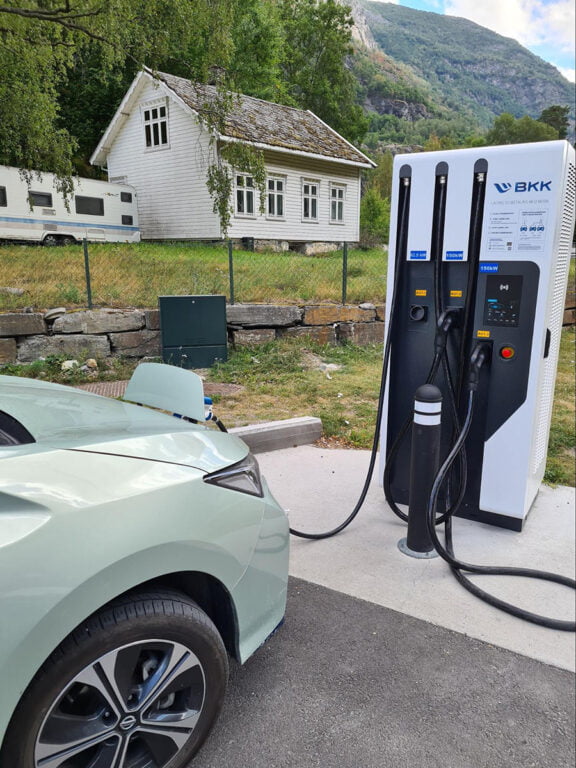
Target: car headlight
243, 476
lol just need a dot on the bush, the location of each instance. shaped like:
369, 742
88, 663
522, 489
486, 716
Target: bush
374, 219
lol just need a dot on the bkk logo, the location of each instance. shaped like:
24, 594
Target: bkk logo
524, 186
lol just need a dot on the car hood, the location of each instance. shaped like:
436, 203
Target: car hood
61, 417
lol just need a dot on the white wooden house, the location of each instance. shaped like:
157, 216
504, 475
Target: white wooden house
157, 143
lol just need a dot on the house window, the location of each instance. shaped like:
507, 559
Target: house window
276, 190
244, 195
92, 206
337, 197
310, 199
3, 200
125, 197
40, 198
156, 126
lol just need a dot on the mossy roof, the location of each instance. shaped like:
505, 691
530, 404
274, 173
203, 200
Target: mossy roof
262, 122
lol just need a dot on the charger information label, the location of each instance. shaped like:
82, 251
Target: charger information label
517, 226
418, 255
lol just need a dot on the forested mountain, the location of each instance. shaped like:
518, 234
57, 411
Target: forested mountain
459, 65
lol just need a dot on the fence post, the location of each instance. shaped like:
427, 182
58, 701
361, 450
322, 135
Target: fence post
87, 272
231, 271
344, 272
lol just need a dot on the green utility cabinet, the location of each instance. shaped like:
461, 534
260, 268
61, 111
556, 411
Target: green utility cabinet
193, 330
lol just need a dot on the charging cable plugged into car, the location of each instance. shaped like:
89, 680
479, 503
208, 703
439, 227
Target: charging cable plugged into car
473, 320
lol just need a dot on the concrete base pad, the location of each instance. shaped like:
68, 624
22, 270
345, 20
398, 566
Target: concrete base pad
320, 487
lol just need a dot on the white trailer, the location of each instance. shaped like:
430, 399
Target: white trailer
32, 209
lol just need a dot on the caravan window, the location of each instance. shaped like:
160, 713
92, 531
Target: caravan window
41, 198
3, 200
125, 197
93, 206
127, 220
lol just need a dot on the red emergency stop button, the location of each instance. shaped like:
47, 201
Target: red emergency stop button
507, 352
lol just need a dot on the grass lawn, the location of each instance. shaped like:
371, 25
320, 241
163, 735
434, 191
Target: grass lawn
134, 275
338, 384
284, 379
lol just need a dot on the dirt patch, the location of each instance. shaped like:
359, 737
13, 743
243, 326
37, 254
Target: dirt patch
229, 390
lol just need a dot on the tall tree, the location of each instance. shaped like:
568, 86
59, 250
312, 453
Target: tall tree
102, 44
510, 130
557, 117
317, 43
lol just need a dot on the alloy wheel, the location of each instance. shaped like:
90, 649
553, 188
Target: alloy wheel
134, 707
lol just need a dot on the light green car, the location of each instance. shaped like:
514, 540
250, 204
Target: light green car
137, 552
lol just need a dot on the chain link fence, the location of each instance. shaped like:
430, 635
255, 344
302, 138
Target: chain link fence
134, 275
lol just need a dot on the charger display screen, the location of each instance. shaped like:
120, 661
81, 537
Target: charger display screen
503, 299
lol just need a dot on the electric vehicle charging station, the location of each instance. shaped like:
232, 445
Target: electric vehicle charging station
478, 266
481, 239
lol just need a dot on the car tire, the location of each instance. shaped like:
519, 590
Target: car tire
51, 240
138, 685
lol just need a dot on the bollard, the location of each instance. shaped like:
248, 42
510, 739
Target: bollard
424, 463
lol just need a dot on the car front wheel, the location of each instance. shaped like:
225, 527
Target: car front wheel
139, 685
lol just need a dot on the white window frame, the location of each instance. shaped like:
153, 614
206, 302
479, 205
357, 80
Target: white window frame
275, 190
337, 203
245, 190
310, 198
155, 116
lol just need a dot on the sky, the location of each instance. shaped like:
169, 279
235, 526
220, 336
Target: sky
546, 27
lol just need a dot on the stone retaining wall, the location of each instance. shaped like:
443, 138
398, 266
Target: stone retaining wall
100, 333
27, 336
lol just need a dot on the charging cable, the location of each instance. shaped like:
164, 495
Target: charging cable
480, 356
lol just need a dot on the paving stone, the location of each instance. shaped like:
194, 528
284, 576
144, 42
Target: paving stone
361, 333
326, 314
136, 343
253, 336
100, 321
22, 323
152, 318
71, 345
323, 334
267, 315
7, 350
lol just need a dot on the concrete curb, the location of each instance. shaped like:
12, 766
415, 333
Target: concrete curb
273, 435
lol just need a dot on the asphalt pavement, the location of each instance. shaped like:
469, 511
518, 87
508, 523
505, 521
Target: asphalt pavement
346, 683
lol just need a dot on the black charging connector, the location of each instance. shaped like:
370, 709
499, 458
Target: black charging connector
481, 355
450, 318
